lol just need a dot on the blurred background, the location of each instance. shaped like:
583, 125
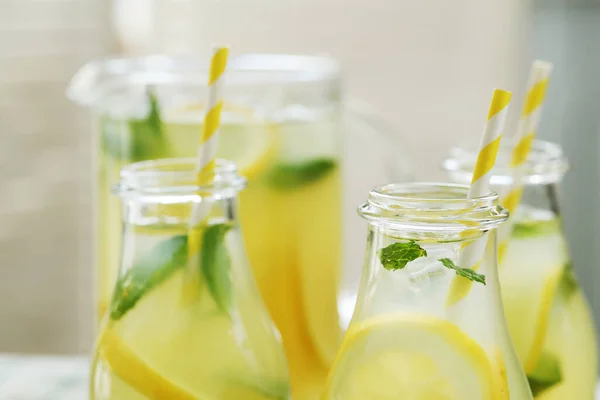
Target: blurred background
428, 66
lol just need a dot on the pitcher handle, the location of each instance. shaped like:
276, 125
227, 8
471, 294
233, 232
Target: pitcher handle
398, 166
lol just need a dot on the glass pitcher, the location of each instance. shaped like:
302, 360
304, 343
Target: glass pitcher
286, 128
186, 320
548, 316
407, 340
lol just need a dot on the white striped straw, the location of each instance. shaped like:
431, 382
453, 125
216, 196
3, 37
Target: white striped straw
205, 163
471, 253
524, 137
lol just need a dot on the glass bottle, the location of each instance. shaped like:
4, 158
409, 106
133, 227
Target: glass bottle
406, 340
186, 320
554, 333
285, 126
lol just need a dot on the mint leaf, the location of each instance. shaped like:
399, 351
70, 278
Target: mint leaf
168, 256
291, 176
154, 121
152, 269
397, 255
568, 282
136, 139
546, 374
215, 264
268, 388
528, 229
464, 272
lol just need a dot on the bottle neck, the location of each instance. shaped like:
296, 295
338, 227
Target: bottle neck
207, 259
426, 243
537, 178
541, 199
424, 284
177, 212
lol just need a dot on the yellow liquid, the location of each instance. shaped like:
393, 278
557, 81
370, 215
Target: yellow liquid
292, 237
414, 356
298, 275
542, 318
177, 345
404, 342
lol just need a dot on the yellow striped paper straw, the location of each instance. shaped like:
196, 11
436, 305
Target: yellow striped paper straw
524, 136
207, 150
212, 119
471, 253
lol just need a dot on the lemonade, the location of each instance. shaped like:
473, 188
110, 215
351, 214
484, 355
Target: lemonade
549, 319
554, 335
290, 213
185, 325
285, 125
404, 340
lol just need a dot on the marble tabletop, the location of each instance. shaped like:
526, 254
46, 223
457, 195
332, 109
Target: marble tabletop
24, 377
27, 377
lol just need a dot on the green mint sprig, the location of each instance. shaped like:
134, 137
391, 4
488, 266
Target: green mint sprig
287, 176
546, 374
169, 256
464, 272
397, 255
215, 265
568, 282
533, 229
265, 387
148, 272
135, 139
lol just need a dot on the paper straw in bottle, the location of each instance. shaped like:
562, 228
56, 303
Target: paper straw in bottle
471, 253
207, 150
523, 139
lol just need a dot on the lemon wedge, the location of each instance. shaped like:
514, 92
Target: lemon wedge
529, 325
244, 137
541, 323
409, 356
251, 148
139, 375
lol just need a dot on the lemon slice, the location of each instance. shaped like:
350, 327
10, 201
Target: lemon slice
529, 325
541, 322
131, 369
530, 275
251, 147
411, 357
244, 137
167, 339
571, 340
319, 255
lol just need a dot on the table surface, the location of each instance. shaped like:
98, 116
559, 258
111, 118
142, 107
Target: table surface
43, 378
25, 377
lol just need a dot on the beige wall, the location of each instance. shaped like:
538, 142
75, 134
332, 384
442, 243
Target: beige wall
44, 173
430, 65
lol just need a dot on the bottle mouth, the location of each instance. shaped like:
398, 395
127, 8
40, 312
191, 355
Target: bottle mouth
120, 77
545, 163
437, 208
178, 177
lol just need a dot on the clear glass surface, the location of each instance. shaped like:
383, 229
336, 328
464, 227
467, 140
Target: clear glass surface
186, 319
302, 152
407, 338
549, 318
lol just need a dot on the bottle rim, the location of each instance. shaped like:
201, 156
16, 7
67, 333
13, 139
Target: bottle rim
178, 177
438, 208
102, 77
545, 164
